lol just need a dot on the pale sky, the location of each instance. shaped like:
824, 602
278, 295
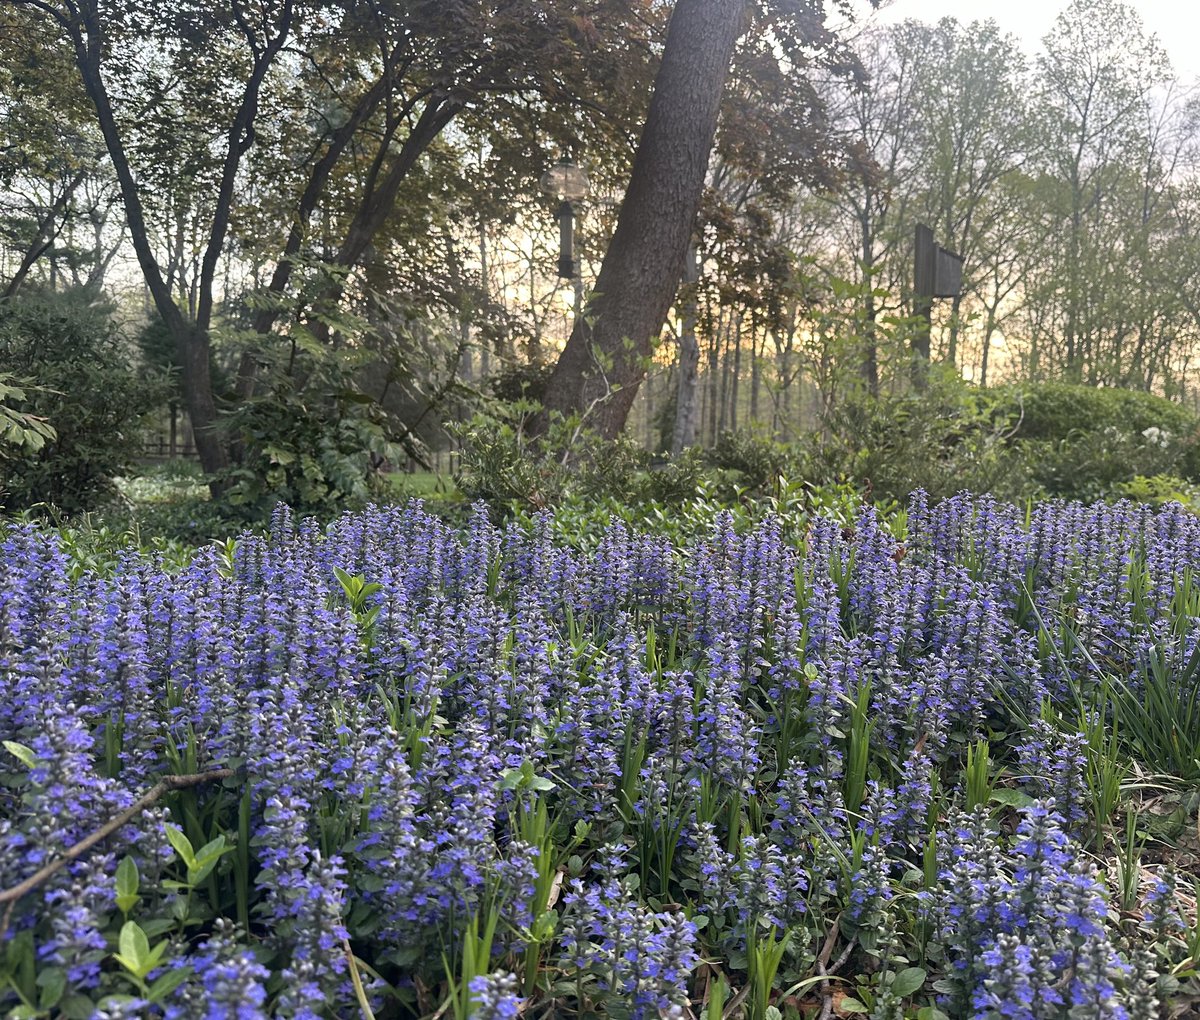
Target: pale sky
1175, 22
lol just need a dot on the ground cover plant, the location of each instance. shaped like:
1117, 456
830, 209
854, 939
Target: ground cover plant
873, 765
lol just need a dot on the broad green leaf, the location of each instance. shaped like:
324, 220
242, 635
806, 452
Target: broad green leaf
908, 981
25, 754
127, 884
182, 845
155, 956
200, 871
1011, 798
77, 1007
134, 949
168, 982
212, 850
157, 926
852, 1005
53, 982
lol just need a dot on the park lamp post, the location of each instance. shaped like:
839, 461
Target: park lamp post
569, 184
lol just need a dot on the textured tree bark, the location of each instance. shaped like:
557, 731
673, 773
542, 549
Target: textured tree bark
605, 359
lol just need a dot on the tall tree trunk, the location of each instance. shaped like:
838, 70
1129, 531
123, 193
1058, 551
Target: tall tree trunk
756, 356
650, 438
989, 327
726, 356
952, 349
869, 363
605, 359
689, 362
485, 354
735, 377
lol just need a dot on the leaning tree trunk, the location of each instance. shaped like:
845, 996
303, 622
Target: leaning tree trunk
605, 359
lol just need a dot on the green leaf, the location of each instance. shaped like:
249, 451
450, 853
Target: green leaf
212, 849
182, 845
1011, 798
156, 955
134, 949
127, 884
157, 926
908, 981
931, 1013
168, 982
53, 982
77, 1007
21, 751
852, 1005
200, 872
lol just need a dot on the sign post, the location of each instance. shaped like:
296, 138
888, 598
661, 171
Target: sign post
937, 273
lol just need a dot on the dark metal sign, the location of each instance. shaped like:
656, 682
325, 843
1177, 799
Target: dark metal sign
937, 273
947, 273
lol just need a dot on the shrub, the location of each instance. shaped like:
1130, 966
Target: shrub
757, 459
1056, 411
317, 454
1160, 489
1083, 442
505, 467
943, 440
1095, 465
87, 387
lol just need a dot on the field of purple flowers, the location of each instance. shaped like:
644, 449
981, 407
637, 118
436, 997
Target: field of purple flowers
877, 767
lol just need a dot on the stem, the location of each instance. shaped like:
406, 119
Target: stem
9, 897
360, 993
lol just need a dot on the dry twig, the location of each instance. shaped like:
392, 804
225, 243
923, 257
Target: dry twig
9, 897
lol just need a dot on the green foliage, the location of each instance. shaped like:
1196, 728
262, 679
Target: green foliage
1055, 411
588, 479
1160, 715
506, 468
87, 387
943, 440
1088, 443
20, 432
315, 454
756, 459
521, 382
1161, 489
164, 507
310, 437
1072, 442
